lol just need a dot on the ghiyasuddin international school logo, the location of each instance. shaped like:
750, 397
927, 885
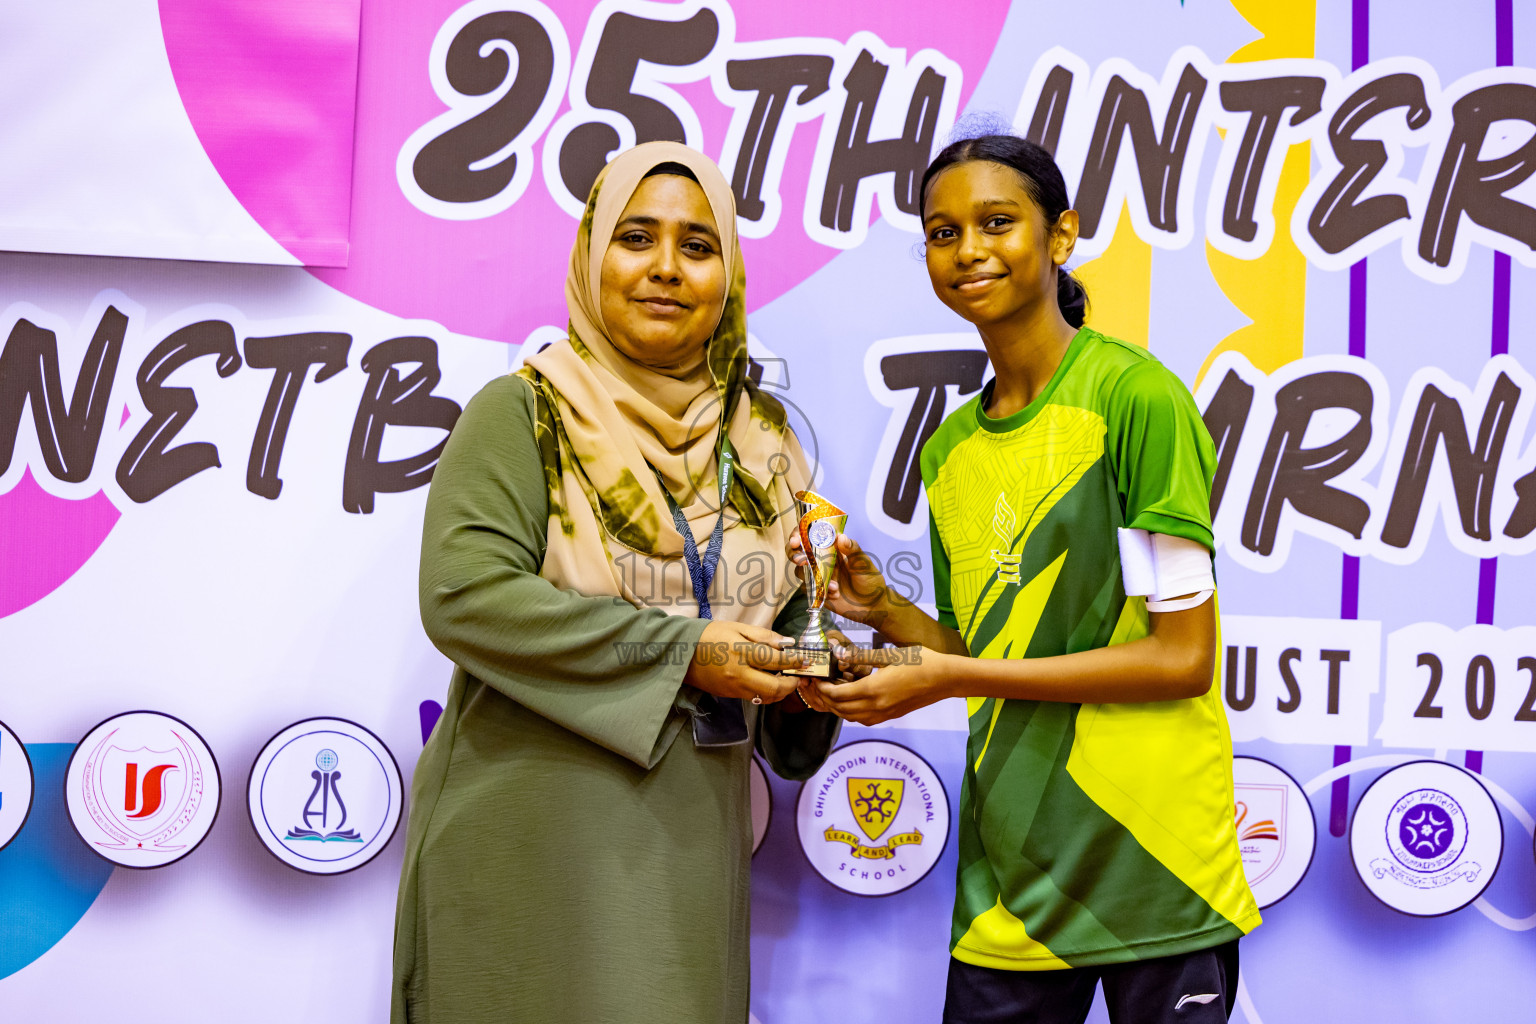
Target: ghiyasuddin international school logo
1426, 838
142, 789
325, 796
874, 820
874, 803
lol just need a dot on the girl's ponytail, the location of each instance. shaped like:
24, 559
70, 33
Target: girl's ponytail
1072, 297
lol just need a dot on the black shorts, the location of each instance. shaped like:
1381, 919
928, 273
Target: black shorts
1192, 988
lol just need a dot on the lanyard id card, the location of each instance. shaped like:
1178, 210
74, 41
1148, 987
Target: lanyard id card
719, 721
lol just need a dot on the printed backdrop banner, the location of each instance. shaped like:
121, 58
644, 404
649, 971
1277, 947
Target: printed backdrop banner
1320, 214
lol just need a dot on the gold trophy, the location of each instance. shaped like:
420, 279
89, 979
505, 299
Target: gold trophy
820, 523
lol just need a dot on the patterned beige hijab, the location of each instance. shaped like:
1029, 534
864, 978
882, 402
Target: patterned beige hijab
608, 425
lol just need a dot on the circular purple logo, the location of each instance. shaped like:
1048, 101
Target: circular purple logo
1426, 831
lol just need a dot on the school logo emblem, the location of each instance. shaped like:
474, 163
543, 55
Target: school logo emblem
15, 785
1276, 832
874, 820
1426, 838
142, 789
325, 796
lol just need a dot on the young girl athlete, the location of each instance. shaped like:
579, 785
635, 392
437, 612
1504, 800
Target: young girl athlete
1096, 824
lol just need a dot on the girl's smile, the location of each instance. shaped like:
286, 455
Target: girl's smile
990, 254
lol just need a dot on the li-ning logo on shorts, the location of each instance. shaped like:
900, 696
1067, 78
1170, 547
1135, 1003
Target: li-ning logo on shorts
1426, 834
874, 819
1003, 523
325, 796
142, 789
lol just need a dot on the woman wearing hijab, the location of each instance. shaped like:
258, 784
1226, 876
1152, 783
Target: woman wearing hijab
579, 839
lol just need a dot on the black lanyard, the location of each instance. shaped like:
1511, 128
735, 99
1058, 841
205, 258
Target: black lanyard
718, 722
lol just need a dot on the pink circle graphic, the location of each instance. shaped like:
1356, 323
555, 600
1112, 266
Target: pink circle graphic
45, 540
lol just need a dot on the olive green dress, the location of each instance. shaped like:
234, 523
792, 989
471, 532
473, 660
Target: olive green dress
570, 855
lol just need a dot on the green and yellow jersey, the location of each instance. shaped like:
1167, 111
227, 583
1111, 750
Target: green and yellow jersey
1089, 833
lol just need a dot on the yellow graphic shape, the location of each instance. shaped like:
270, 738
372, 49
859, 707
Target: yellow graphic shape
998, 929
1119, 283
997, 709
1020, 628
1036, 465
1187, 799
1271, 290
874, 803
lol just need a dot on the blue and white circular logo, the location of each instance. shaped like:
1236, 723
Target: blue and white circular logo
1426, 838
821, 534
325, 796
15, 785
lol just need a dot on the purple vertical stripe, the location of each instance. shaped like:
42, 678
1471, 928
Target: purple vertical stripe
1349, 590
1338, 807
1503, 32
1360, 33
429, 711
1487, 587
1488, 569
1500, 346
1357, 281
1349, 608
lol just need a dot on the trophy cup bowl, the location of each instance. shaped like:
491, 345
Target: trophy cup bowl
820, 523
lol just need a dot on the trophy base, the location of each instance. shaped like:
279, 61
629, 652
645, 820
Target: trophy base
818, 662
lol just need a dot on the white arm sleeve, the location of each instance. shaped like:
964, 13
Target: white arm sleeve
1162, 568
